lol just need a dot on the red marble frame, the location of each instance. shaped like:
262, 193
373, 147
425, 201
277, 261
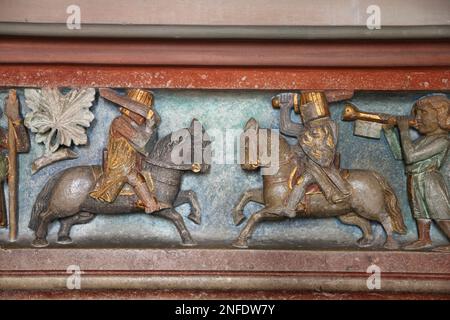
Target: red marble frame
245, 65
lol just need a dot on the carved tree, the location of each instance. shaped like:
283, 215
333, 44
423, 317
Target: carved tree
58, 119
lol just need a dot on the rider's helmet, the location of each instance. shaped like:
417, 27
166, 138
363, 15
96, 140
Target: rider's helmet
312, 105
142, 96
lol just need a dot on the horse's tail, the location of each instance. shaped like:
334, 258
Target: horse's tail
42, 201
392, 206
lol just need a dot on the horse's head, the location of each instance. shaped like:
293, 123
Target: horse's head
185, 149
259, 147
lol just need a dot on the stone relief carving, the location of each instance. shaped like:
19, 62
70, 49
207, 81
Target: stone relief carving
134, 157
309, 183
139, 174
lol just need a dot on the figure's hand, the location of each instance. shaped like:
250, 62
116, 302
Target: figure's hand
12, 107
283, 99
403, 123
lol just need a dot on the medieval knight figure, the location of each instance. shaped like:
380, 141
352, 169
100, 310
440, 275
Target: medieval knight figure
317, 136
131, 137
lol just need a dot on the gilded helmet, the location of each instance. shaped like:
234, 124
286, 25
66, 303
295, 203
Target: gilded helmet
312, 105
142, 96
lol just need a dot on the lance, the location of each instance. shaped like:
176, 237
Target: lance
11, 106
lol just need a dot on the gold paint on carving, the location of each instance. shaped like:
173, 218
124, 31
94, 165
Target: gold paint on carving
141, 96
330, 141
125, 111
296, 105
149, 180
196, 167
352, 113
121, 160
127, 190
300, 180
291, 177
313, 105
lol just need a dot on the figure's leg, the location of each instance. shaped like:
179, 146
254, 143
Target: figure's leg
424, 240
343, 187
42, 229
444, 225
189, 196
67, 223
255, 195
177, 219
241, 241
137, 181
390, 242
364, 224
296, 195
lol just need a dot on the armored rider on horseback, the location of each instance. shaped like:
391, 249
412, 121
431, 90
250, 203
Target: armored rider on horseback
317, 136
132, 137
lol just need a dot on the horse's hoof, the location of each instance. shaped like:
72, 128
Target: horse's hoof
64, 240
364, 242
39, 243
391, 245
445, 249
241, 244
195, 218
418, 245
189, 243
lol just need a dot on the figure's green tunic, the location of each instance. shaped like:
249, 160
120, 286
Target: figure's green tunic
3, 166
427, 189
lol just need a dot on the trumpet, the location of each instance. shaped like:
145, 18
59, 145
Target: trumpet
352, 113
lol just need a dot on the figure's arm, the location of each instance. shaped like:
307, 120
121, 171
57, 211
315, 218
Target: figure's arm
411, 152
137, 135
153, 122
287, 126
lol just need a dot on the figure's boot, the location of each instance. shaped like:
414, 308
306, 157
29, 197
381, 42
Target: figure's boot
294, 198
149, 201
424, 241
344, 189
444, 225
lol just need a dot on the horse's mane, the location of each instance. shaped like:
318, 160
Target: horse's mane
161, 146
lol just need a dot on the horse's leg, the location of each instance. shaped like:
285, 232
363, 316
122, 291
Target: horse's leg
255, 195
390, 242
364, 224
40, 239
177, 219
189, 196
67, 223
241, 241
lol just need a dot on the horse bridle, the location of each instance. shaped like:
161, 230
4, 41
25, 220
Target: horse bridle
166, 165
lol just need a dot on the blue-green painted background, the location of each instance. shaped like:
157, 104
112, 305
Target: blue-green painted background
219, 190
